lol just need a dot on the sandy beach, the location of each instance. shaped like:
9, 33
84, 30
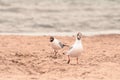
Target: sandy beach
31, 58
25, 54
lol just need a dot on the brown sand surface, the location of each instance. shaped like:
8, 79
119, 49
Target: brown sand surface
31, 58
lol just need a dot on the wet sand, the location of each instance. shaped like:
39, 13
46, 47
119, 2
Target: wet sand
31, 58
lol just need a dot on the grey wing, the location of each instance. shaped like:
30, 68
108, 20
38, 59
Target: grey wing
61, 45
70, 47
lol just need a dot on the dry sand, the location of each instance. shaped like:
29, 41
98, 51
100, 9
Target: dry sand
30, 58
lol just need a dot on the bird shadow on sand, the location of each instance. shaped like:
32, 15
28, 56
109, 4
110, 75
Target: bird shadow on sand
58, 56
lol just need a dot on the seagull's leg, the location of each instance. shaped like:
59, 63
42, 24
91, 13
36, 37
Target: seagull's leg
68, 59
77, 60
55, 52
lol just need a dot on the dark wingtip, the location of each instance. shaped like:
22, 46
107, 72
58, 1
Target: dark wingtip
65, 45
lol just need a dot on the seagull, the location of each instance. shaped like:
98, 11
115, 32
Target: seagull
56, 44
76, 48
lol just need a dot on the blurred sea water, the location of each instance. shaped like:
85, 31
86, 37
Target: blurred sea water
59, 16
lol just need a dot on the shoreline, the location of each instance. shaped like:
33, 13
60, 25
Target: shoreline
90, 33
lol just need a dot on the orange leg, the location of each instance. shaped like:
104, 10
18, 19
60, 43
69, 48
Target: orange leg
77, 60
68, 59
55, 52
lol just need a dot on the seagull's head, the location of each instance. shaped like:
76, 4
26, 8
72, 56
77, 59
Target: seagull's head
79, 35
51, 38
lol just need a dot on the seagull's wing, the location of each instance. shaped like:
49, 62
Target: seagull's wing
70, 47
61, 45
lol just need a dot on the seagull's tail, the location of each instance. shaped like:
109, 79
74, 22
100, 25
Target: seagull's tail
65, 45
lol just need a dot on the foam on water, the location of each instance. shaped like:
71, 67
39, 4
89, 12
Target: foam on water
65, 33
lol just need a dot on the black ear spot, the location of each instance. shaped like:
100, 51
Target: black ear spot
79, 35
51, 38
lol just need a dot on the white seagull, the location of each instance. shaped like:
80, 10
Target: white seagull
56, 44
76, 49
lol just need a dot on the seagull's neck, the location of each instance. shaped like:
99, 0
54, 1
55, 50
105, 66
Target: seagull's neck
55, 40
78, 41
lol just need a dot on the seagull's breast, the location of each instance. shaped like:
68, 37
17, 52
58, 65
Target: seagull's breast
55, 44
76, 49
